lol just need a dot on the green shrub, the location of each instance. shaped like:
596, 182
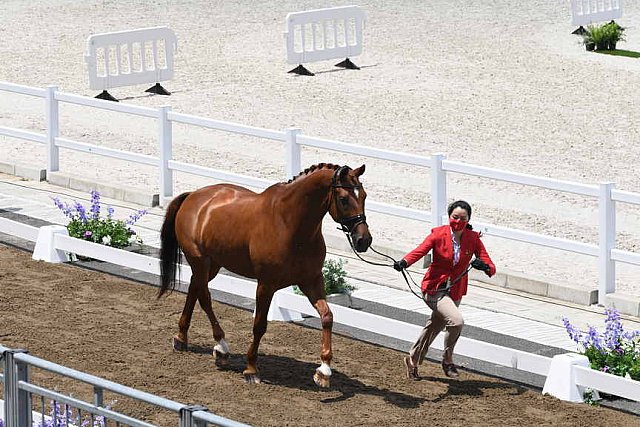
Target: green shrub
604, 37
334, 278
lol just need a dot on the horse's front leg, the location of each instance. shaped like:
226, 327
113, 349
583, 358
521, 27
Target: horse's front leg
264, 295
315, 292
322, 376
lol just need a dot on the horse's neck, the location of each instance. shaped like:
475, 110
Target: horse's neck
306, 203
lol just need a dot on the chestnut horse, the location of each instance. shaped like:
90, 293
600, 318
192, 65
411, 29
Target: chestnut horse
274, 237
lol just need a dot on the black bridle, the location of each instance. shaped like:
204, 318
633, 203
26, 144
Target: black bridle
350, 223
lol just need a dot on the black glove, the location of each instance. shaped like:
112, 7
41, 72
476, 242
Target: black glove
400, 265
478, 264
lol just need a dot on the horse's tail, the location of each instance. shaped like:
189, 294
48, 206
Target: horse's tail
169, 248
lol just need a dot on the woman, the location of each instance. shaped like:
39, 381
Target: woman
445, 282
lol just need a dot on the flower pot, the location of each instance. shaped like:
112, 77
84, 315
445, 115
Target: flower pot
590, 46
602, 46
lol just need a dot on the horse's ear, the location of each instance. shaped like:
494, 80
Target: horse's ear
343, 172
359, 171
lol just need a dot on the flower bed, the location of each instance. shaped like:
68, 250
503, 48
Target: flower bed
614, 350
89, 224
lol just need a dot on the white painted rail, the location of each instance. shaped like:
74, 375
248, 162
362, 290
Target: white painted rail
294, 140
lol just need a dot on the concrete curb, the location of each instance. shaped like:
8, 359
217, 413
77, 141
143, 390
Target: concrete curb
127, 195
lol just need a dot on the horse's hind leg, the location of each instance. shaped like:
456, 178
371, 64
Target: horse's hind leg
180, 341
264, 295
221, 349
200, 272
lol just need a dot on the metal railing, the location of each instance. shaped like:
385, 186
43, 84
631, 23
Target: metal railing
19, 392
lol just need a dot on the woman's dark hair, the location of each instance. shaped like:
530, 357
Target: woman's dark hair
461, 204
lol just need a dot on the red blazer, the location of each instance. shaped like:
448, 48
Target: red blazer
442, 267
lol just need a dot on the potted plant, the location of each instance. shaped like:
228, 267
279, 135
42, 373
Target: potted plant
614, 34
336, 287
595, 37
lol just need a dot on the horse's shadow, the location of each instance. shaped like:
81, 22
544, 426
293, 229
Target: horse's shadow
293, 373
461, 387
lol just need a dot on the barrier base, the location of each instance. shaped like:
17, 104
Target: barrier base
560, 380
579, 31
45, 249
106, 96
301, 71
158, 90
348, 65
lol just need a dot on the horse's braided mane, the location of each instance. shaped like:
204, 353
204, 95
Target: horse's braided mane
314, 168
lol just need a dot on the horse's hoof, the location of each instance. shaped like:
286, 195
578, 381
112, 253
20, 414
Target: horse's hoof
179, 345
251, 378
222, 359
321, 379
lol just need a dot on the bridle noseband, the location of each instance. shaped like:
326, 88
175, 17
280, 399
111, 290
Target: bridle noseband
350, 223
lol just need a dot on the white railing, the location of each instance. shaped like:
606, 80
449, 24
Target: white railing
585, 12
605, 193
286, 301
126, 58
316, 35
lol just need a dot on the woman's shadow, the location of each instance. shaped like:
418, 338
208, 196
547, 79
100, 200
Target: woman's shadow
462, 387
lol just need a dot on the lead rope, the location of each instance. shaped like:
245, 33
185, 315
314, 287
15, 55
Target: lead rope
409, 280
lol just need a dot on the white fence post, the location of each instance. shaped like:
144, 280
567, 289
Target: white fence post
292, 153
607, 241
438, 189
166, 153
53, 130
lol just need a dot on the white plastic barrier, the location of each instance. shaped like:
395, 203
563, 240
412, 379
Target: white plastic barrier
320, 34
133, 57
585, 12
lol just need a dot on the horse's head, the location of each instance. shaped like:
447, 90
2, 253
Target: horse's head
346, 206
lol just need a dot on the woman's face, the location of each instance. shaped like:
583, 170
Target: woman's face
459, 214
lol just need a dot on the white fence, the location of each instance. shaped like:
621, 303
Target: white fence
294, 140
133, 57
585, 12
285, 300
316, 35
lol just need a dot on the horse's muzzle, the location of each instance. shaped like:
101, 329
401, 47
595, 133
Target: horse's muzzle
361, 237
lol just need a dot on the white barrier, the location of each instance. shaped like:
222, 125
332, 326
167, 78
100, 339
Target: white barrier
570, 374
585, 12
320, 34
133, 57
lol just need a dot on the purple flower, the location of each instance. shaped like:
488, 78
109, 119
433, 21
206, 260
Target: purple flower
613, 328
82, 213
594, 339
605, 369
573, 332
88, 233
134, 217
110, 211
95, 204
65, 208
